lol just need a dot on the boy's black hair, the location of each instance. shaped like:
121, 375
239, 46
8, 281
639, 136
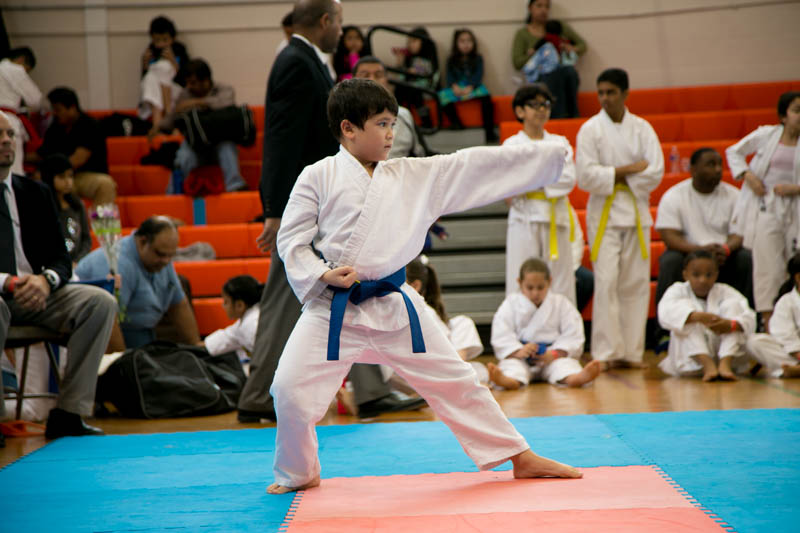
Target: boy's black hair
793, 267
154, 225
529, 92
64, 96
356, 100
554, 27
615, 76
24, 52
286, 21
699, 254
785, 100
52, 166
244, 288
197, 68
162, 24
697, 154
534, 264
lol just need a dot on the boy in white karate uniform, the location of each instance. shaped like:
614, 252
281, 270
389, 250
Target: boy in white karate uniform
709, 323
539, 222
537, 334
779, 351
619, 162
353, 221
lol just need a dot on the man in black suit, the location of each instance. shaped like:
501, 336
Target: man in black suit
34, 270
296, 135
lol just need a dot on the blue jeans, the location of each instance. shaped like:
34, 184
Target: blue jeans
226, 154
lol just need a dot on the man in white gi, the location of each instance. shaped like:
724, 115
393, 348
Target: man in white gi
619, 162
19, 94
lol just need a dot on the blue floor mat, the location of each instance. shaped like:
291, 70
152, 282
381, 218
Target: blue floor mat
741, 465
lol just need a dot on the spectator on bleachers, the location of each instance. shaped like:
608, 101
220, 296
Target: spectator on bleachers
76, 135
697, 214
240, 297
350, 49
420, 62
56, 173
539, 221
406, 141
20, 97
203, 93
619, 161
709, 323
288, 29
563, 81
538, 335
150, 289
34, 270
464, 81
162, 66
768, 209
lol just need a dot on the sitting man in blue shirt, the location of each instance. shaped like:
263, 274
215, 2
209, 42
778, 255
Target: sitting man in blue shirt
150, 287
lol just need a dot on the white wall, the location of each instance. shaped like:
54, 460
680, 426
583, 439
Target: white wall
94, 45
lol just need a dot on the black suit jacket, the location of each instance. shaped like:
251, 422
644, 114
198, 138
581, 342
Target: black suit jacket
42, 238
296, 132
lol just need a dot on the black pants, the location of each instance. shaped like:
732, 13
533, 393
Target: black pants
563, 83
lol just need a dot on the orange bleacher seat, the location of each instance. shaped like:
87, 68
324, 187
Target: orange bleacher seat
254, 152
138, 208
233, 207
667, 127
713, 125
258, 115
251, 172
508, 128
568, 127
651, 101
469, 112
685, 149
502, 108
588, 104
208, 277
140, 179
754, 95
210, 315
228, 240
130, 150
701, 98
753, 118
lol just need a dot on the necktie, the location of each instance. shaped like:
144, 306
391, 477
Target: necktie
8, 261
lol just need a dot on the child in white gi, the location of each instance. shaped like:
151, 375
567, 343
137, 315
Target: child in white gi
240, 294
352, 223
779, 351
537, 335
709, 323
768, 208
619, 161
539, 222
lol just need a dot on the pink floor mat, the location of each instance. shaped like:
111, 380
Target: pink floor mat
620, 499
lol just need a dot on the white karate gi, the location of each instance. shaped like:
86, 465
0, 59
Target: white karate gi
529, 220
771, 224
622, 274
378, 225
239, 336
688, 340
702, 218
774, 349
556, 322
16, 87
159, 74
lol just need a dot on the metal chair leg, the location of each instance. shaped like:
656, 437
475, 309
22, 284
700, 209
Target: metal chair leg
21, 385
53, 363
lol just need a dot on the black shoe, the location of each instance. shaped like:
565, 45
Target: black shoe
389, 404
2, 441
62, 423
254, 417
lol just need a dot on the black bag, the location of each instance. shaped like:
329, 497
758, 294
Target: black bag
121, 125
205, 129
166, 380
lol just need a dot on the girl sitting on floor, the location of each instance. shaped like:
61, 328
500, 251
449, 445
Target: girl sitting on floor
240, 296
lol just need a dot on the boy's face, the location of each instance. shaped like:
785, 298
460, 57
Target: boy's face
707, 172
374, 141
535, 112
612, 98
161, 40
534, 287
701, 273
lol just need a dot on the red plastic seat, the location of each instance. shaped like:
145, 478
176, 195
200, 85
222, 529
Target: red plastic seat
210, 315
208, 277
755, 95
139, 208
713, 125
233, 207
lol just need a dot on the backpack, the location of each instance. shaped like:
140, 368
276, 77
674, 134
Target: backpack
206, 129
167, 380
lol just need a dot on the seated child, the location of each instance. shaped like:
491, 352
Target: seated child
350, 49
538, 335
240, 297
56, 173
709, 323
355, 217
779, 351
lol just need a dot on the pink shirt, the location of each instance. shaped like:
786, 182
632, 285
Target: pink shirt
781, 167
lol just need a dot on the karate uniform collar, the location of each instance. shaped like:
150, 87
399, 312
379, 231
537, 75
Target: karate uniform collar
358, 169
608, 118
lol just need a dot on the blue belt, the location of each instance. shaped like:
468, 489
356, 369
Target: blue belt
360, 291
540, 350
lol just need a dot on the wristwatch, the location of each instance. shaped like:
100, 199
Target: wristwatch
52, 279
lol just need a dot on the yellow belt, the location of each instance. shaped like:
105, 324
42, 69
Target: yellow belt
601, 228
540, 195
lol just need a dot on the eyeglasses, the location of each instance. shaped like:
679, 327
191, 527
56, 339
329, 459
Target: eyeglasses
536, 105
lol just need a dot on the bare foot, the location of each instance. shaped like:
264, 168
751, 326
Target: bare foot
710, 374
726, 374
528, 464
275, 488
791, 371
588, 374
498, 378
